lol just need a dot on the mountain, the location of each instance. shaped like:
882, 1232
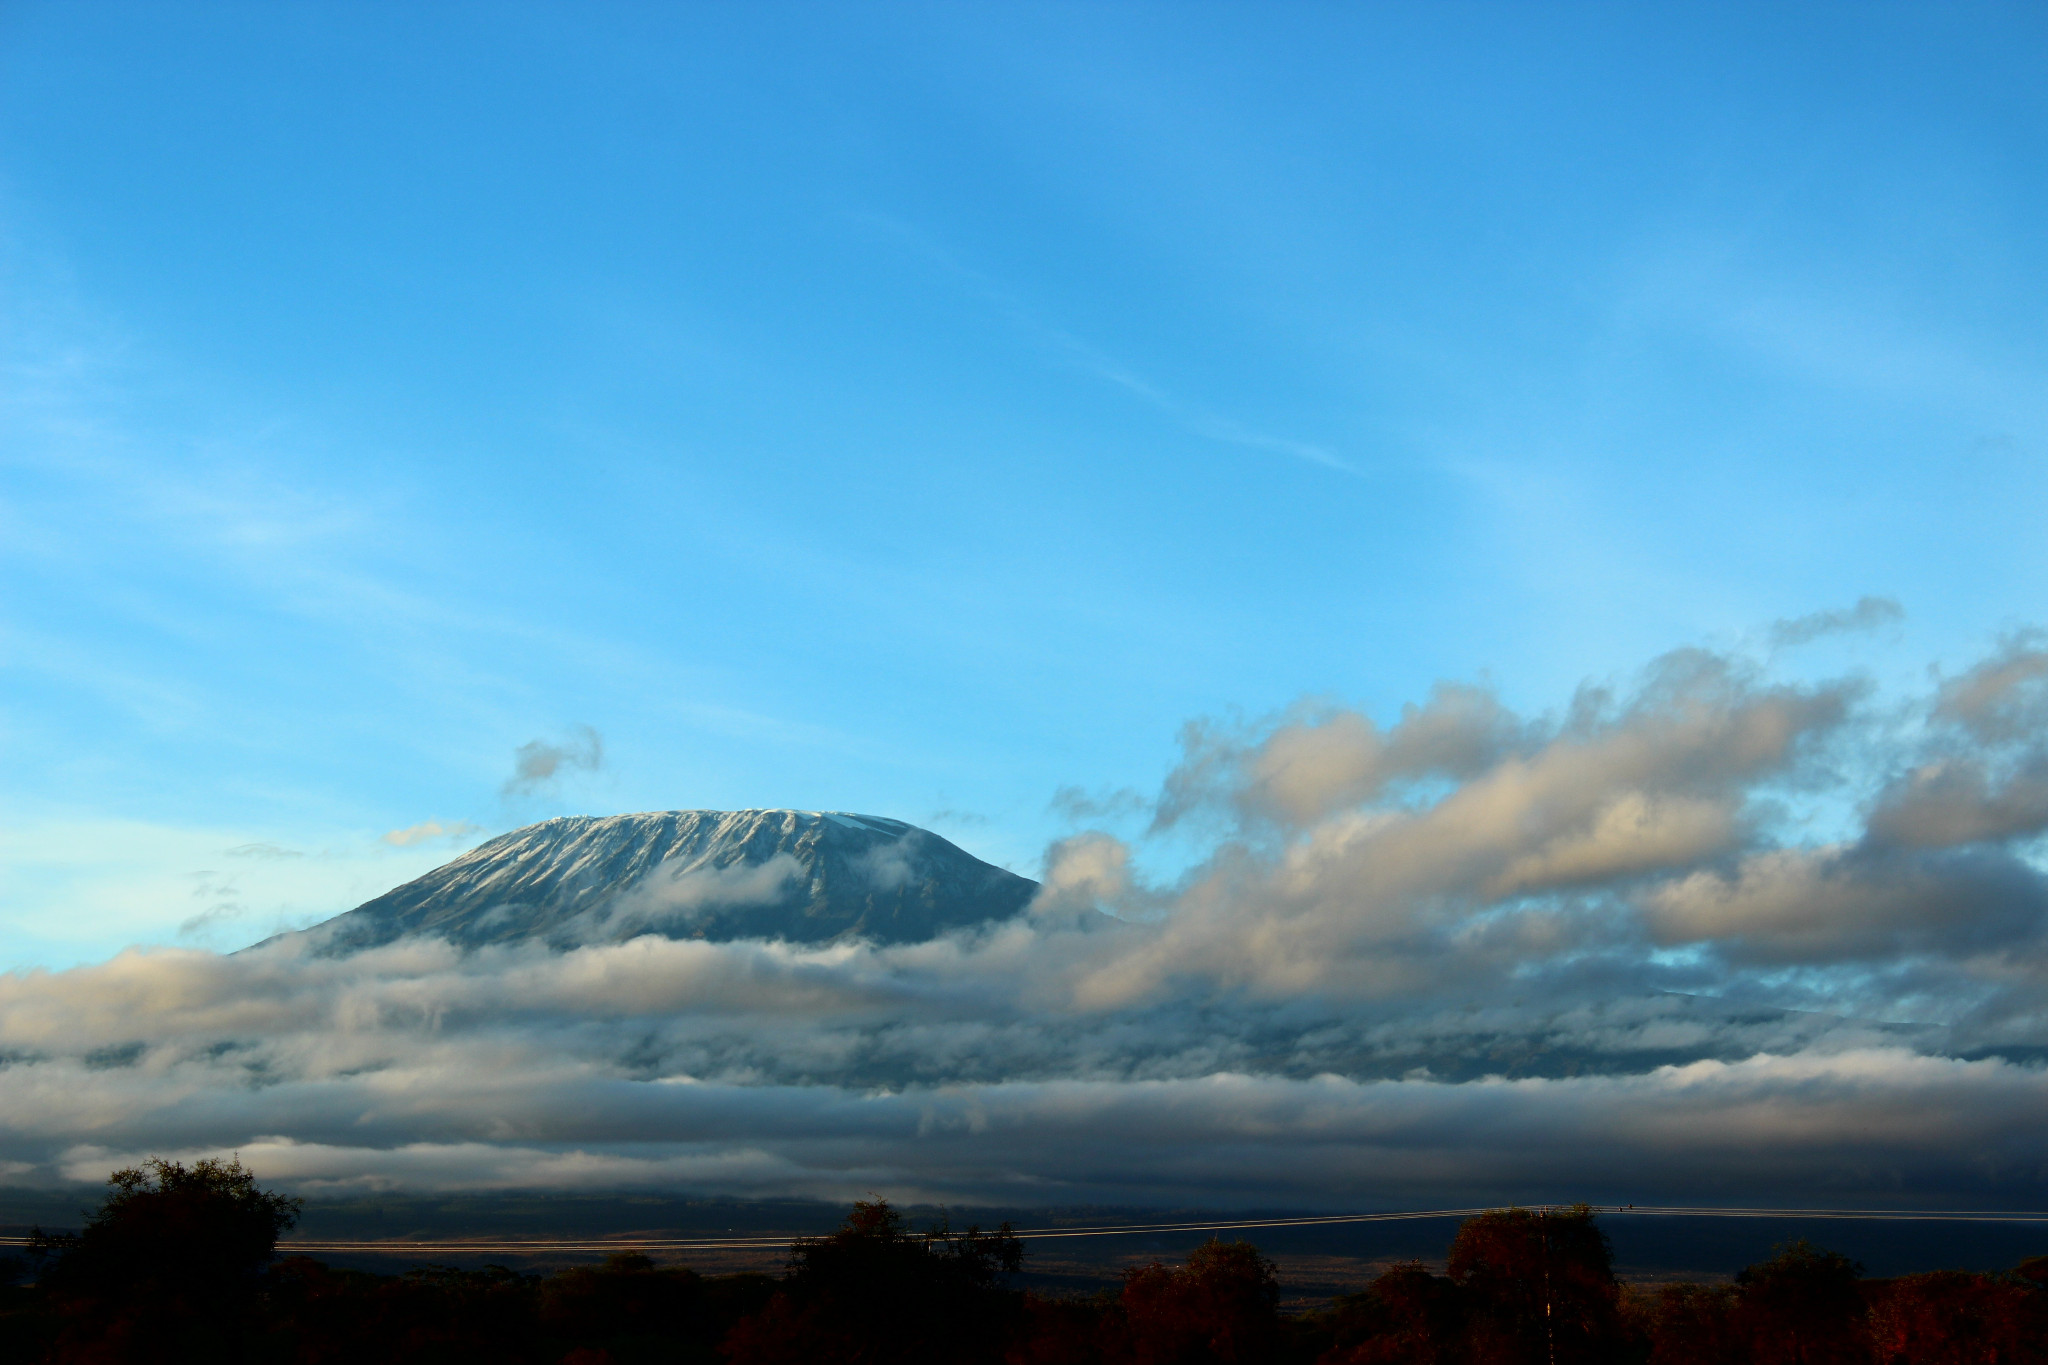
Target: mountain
803, 876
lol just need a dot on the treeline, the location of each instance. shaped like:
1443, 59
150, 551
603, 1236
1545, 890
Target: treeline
177, 1267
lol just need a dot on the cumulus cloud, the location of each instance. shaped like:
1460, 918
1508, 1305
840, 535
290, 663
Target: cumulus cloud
537, 763
2003, 699
428, 830
1833, 906
1960, 801
1985, 776
1321, 757
1466, 954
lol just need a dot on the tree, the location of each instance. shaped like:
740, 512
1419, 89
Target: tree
1953, 1317
428, 1315
1407, 1316
628, 1296
165, 1268
1690, 1324
878, 1291
167, 1227
1802, 1307
1538, 1287
1063, 1331
1221, 1308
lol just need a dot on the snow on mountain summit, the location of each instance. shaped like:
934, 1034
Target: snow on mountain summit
802, 876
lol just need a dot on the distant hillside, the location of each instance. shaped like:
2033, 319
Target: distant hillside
801, 876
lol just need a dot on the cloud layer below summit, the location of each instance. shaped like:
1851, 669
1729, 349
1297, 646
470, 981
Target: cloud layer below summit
1717, 936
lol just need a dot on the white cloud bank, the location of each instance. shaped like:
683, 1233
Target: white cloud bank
1469, 955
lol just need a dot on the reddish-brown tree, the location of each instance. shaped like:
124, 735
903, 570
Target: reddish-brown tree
1689, 1324
1064, 1331
1952, 1317
1406, 1317
1802, 1307
877, 1292
1221, 1308
1538, 1288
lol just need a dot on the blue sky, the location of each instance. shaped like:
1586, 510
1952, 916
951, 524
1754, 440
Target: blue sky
920, 410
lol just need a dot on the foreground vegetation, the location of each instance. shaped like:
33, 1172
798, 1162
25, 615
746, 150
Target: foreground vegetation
176, 1267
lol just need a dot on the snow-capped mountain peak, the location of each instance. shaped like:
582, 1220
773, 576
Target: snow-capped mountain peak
802, 876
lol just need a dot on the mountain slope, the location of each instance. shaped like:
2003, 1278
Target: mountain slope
802, 876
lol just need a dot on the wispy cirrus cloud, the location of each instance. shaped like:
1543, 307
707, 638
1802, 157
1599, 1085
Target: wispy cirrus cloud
1193, 418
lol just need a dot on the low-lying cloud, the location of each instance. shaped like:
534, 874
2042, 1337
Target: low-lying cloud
672, 897
1712, 936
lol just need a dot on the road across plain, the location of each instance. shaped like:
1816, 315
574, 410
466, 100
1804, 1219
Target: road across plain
628, 1242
